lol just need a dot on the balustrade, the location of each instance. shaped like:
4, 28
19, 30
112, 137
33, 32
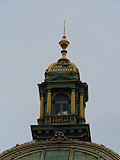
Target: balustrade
60, 119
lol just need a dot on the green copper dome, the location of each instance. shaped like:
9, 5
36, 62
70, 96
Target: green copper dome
54, 150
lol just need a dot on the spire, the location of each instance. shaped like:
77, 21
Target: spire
64, 44
64, 31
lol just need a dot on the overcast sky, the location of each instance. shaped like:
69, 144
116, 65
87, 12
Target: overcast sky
30, 31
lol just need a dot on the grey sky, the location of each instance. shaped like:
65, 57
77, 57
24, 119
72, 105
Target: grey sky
29, 34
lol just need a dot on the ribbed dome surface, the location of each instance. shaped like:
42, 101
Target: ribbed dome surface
63, 65
67, 150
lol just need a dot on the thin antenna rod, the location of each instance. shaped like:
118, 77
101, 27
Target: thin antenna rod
64, 31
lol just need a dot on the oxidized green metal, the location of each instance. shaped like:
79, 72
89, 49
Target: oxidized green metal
53, 150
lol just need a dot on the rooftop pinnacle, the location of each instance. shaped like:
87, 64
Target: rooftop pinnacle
64, 44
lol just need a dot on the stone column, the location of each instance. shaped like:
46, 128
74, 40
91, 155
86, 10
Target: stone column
41, 106
73, 101
49, 102
81, 110
84, 112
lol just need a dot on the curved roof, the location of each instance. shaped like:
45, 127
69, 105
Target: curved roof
62, 65
51, 150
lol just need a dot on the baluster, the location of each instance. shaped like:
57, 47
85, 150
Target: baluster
58, 119
67, 119
62, 119
55, 119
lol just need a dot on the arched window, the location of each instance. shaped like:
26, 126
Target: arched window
61, 104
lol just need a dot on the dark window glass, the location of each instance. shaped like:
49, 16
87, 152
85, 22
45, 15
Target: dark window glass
61, 104
82, 156
57, 155
32, 156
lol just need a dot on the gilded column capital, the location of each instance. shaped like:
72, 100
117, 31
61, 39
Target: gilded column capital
42, 94
81, 93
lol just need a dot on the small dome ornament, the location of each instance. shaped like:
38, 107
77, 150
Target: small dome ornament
63, 64
64, 44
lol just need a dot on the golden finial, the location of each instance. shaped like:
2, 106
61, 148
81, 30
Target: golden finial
64, 44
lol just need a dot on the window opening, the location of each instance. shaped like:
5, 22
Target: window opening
61, 104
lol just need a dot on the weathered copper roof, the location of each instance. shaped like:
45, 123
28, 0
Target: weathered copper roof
67, 149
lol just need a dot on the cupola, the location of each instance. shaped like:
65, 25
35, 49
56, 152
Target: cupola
63, 98
62, 132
